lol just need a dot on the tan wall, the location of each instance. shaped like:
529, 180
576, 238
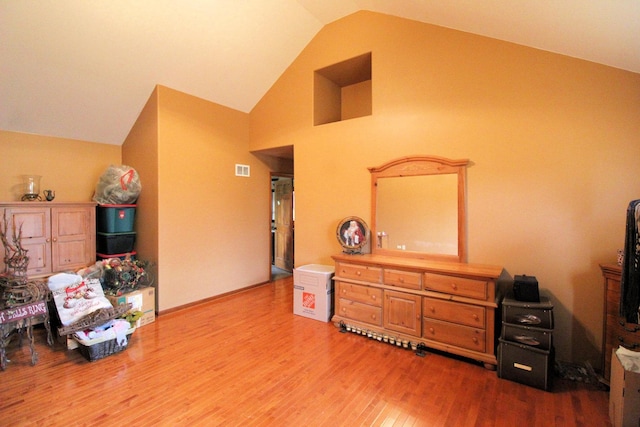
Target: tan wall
140, 151
213, 227
69, 167
554, 144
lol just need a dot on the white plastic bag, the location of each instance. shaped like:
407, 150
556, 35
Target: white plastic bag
118, 185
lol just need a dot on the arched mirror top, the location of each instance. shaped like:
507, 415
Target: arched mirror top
418, 208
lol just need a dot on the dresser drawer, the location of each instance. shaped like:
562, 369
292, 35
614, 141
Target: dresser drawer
464, 314
359, 272
361, 312
359, 293
403, 279
627, 335
458, 335
453, 285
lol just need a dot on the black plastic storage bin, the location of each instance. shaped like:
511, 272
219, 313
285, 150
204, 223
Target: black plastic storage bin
525, 364
536, 314
528, 335
114, 243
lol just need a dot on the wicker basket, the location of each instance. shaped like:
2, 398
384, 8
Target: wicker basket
100, 348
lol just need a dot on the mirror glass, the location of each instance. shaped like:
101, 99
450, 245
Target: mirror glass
428, 218
418, 208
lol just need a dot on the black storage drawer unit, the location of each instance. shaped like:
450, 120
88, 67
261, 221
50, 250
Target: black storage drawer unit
536, 314
528, 335
525, 364
115, 243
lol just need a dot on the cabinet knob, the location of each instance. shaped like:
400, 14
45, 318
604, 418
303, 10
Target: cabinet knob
475, 340
432, 309
373, 317
358, 273
431, 330
475, 317
454, 286
402, 280
373, 297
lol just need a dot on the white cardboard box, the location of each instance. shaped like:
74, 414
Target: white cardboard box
313, 291
624, 395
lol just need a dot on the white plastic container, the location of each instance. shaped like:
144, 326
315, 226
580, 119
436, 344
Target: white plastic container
313, 291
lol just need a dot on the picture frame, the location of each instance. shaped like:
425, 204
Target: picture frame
352, 234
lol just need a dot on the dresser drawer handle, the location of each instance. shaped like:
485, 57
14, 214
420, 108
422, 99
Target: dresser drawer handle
402, 280
454, 286
528, 319
431, 330
432, 309
627, 345
373, 317
475, 340
373, 297
475, 317
632, 329
358, 273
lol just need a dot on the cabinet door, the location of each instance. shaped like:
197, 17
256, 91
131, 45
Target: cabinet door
35, 226
403, 312
72, 236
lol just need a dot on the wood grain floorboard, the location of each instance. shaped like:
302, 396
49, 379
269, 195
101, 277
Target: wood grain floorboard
247, 360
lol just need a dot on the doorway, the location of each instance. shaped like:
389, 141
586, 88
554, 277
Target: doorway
282, 225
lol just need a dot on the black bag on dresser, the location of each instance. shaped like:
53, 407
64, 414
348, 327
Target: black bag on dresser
525, 288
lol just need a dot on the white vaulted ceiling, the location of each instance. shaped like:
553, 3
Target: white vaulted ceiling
83, 69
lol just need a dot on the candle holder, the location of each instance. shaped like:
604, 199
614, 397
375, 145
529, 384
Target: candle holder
31, 188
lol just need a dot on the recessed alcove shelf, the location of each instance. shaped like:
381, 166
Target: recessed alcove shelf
342, 91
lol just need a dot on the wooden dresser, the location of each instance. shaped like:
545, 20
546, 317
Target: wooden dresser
616, 331
447, 306
59, 236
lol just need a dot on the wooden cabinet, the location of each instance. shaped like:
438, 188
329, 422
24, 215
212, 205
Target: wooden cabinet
58, 236
403, 312
616, 331
448, 306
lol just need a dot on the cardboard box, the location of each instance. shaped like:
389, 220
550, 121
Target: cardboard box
313, 291
624, 395
143, 299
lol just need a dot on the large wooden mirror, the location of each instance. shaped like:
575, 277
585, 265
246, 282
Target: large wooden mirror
418, 208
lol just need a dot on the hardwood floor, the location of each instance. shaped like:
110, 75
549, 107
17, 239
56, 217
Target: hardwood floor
245, 359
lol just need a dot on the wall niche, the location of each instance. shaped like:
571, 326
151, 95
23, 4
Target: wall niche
342, 91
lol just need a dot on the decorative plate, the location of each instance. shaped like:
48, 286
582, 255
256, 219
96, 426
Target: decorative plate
352, 234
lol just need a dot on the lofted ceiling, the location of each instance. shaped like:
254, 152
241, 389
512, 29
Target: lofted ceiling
83, 69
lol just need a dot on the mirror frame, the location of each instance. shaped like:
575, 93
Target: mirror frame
423, 165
